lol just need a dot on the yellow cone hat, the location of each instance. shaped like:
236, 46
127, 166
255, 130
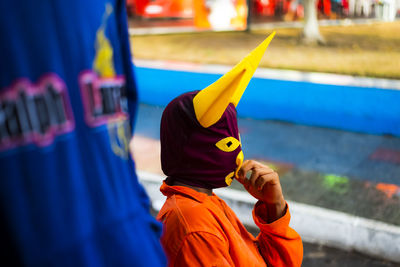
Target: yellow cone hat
211, 102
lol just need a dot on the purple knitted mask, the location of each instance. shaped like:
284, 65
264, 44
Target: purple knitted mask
198, 156
200, 143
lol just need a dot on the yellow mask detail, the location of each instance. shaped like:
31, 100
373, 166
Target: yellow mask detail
239, 163
229, 178
228, 144
211, 102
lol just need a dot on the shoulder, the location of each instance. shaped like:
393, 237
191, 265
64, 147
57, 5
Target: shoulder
183, 216
189, 214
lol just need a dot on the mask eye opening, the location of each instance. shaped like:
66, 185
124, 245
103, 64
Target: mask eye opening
228, 144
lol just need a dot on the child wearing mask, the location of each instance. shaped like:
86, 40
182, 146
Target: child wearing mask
200, 151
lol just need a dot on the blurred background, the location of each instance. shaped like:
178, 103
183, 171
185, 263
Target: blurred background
217, 14
323, 109
242, 14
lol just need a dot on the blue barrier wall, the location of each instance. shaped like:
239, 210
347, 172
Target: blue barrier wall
368, 110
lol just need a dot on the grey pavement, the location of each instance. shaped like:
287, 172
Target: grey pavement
321, 149
319, 255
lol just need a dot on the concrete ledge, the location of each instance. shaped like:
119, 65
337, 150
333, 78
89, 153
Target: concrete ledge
314, 224
327, 100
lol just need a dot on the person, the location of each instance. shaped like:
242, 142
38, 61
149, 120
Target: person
69, 195
201, 151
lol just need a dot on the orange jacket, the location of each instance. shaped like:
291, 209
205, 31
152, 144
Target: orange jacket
201, 230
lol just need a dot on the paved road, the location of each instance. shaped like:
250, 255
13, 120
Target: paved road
321, 256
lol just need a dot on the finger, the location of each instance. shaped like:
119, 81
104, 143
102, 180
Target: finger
266, 169
246, 179
241, 171
246, 166
266, 179
260, 182
256, 173
273, 178
250, 175
247, 170
261, 170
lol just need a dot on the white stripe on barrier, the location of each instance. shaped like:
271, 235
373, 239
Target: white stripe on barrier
314, 224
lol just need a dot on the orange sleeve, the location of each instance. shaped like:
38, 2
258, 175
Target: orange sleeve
203, 249
279, 244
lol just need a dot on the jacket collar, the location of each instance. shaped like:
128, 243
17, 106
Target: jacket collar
169, 190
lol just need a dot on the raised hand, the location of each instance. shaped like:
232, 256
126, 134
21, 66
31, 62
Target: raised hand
263, 183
